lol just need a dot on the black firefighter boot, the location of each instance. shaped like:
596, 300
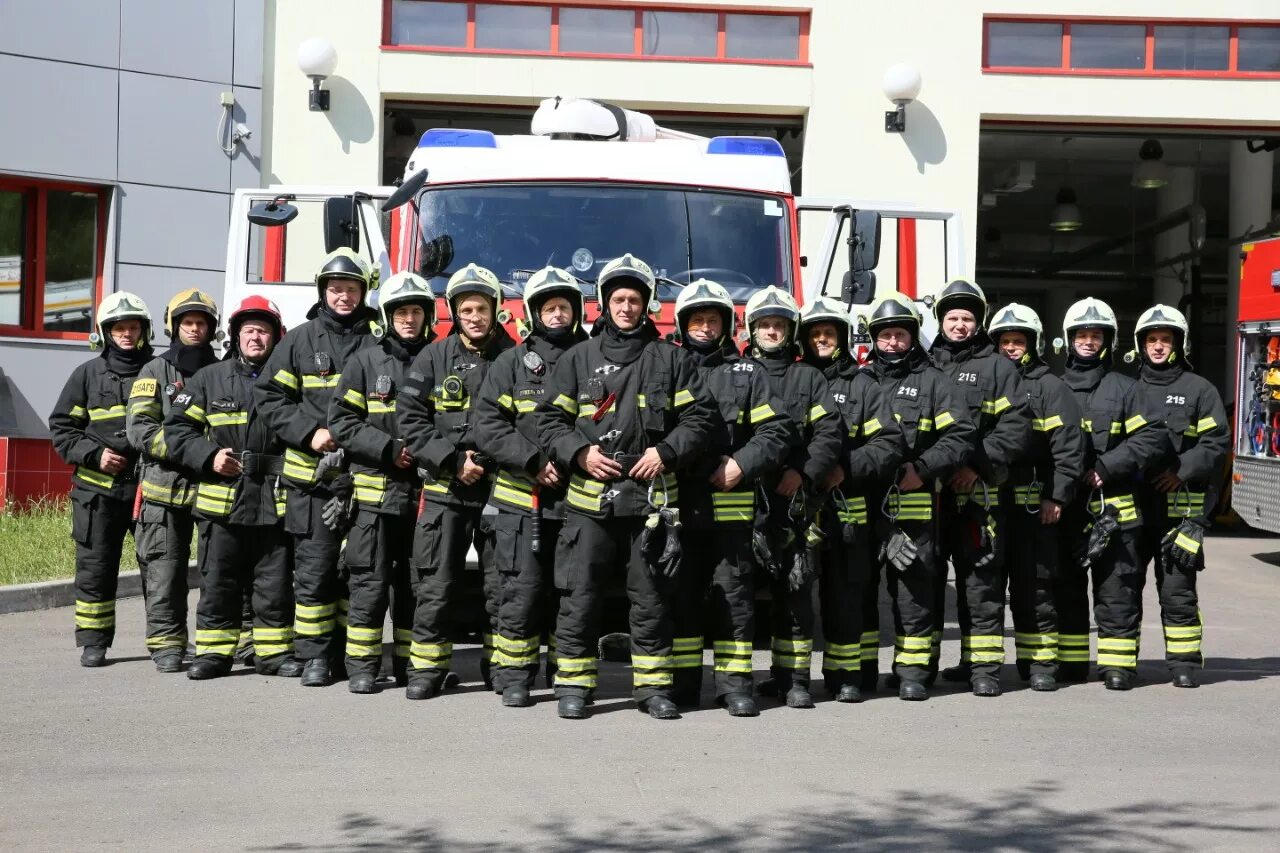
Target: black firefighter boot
1184, 677
315, 673
571, 706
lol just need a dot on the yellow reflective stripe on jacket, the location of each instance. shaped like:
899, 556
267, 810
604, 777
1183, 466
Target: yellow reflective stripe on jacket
943, 420
761, 413
79, 413
736, 506
1184, 504
1134, 424
145, 406
215, 498
299, 466
911, 506
354, 398
378, 406
1203, 425
993, 499
505, 401
816, 413
1046, 424
869, 427
168, 495
369, 488
513, 490
526, 407
854, 510
1126, 508
108, 413
315, 380
585, 494
589, 410
1026, 495
995, 407
439, 486
683, 398
565, 403
94, 478
219, 419
285, 378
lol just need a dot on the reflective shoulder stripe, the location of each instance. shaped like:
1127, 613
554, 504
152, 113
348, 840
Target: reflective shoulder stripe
816, 413
1135, 423
285, 378
1048, 424
683, 398
761, 413
355, 398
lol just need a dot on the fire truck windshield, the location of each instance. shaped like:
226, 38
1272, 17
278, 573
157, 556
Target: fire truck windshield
741, 240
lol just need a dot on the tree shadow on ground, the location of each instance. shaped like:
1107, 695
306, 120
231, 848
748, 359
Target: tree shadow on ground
1024, 818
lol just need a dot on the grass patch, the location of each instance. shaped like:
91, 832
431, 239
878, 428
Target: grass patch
36, 544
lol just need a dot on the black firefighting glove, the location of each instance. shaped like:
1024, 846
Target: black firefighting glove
1104, 526
660, 542
805, 562
336, 512
764, 552
899, 550
1183, 546
974, 536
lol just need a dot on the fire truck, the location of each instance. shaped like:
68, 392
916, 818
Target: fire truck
591, 182
1255, 479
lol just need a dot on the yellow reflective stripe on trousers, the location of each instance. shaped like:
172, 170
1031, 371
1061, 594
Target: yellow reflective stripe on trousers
732, 656
651, 670
686, 652
792, 654
404, 638
575, 672
364, 642
217, 641
982, 648
1073, 648
515, 651
733, 506
314, 620
95, 615
842, 657
1118, 652
430, 655
269, 642
870, 645
1183, 639
912, 651
1037, 647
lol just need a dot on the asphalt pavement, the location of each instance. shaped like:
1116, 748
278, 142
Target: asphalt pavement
126, 758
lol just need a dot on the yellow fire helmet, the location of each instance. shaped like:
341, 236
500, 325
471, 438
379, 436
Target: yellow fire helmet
190, 300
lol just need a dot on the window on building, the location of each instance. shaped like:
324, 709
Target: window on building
1192, 48
700, 33
1259, 49
597, 30
1108, 46
503, 27
762, 37
1024, 45
52, 239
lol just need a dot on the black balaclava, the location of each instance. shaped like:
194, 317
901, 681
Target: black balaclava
702, 350
1174, 366
891, 358
126, 362
188, 358
413, 346
563, 337
623, 347
1082, 373
355, 316
829, 366
233, 347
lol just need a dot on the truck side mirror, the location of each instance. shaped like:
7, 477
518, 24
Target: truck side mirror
858, 287
406, 190
864, 240
340, 227
274, 213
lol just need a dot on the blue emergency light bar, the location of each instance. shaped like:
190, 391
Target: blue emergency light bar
441, 137
759, 146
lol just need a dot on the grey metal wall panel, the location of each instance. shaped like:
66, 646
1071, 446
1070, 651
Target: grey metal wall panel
168, 133
178, 38
60, 119
250, 21
173, 228
85, 31
157, 285
36, 375
246, 166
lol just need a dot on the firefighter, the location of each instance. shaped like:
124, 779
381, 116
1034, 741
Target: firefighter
435, 411
872, 451
215, 428
362, 418
294, 392
793, 493
529, 489
1101, 527
1181, 488
970, 505
750, 437
939, 436
88, 431
627, 413
1040, 484
163, 532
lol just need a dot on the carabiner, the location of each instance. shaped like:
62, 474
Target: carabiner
1032, 506
1102, 504
649, 495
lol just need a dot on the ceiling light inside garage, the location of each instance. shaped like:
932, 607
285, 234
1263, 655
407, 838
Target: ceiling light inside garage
1151, 173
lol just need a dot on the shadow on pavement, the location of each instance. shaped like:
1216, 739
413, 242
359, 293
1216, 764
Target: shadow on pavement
1023, 818
1271, 557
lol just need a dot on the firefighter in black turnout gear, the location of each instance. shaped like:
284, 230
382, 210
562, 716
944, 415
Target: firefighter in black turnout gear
164, 527
627, 414
436, 416
751, 435
362, 418
972, 514
1040, 484
1181, 488
88, 431
939, 436
529, 489
872, 451
294, 392
215, 428
1101, 528
793, 495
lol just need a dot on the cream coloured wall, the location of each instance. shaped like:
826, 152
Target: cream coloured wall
847, 152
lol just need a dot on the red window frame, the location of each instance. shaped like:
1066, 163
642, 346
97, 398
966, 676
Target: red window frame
637, 53
1231, 72
34, 262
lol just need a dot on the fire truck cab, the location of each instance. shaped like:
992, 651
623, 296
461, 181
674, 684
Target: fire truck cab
1255, 486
